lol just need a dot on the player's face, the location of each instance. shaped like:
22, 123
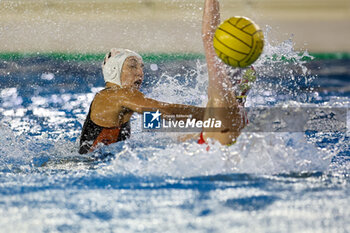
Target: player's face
132, 73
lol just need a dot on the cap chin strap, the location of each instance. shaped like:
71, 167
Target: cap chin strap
113, 68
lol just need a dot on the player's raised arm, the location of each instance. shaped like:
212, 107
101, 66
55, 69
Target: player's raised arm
210, 21
216, 68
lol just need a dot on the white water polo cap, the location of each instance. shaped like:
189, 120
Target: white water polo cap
113, 64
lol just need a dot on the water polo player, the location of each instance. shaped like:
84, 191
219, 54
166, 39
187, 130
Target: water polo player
224, 101
111, 109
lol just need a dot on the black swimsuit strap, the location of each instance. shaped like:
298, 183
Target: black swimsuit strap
91, 131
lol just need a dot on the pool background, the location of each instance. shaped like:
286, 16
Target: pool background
96, 26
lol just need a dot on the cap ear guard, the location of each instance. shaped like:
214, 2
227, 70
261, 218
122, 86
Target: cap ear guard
113, 64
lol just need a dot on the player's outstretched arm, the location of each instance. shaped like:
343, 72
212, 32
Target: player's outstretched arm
139, 103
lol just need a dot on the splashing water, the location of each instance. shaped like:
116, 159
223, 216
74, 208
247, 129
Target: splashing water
52, 122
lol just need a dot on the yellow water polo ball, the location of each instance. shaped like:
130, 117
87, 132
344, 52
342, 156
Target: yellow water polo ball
238, 41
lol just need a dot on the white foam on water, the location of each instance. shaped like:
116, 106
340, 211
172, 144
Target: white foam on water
256, 153
16, 153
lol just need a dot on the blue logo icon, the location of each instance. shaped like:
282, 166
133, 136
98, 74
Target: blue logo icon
152, 120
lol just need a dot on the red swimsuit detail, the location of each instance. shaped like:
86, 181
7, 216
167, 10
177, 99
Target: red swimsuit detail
202, 141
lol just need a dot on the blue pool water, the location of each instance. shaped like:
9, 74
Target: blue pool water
266, 182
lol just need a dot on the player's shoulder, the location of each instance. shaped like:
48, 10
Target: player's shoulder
129, 92
119, 94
